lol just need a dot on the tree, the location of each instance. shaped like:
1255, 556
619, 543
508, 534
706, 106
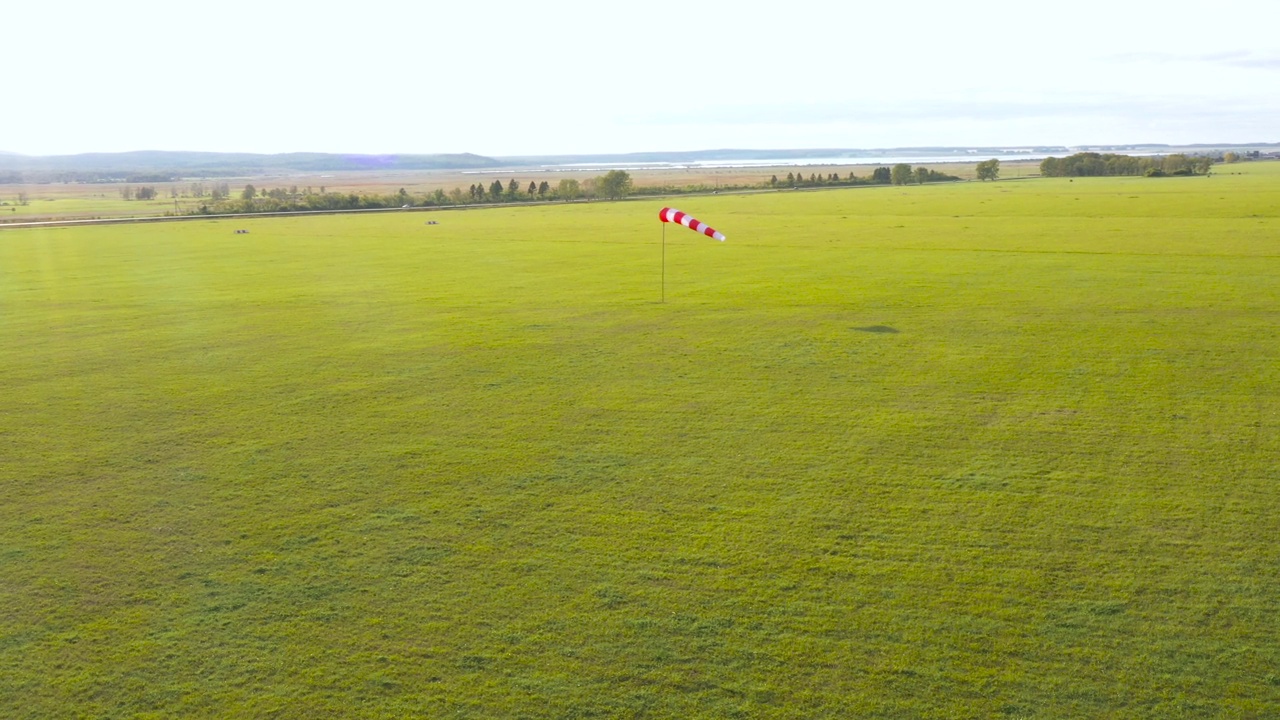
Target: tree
533, 188
1230, 157
495, 190
988, 169
791, 179
922, 175
568, 189
249, 192
146, 193
901, 174
513, 188
543, 188
1177, 164
773, 181
615, 184
881, 176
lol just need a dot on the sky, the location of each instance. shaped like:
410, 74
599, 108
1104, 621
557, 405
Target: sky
569, 77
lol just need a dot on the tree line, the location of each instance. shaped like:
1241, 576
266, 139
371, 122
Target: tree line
900, 174
216, 192
1092, 164
613, 185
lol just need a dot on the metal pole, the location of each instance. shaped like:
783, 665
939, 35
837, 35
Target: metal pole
664, 262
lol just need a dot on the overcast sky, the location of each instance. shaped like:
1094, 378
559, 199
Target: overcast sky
561, 76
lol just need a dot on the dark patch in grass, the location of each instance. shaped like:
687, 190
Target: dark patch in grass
299, 542
700, 562
11, 643
392, 517
1104, 608
1078, 616
9, 554
995, 479
475, 662
610, 596
978, 480
422, 556
381, 682
643, 623
878, 329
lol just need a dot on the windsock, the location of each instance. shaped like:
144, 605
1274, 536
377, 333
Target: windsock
689, 221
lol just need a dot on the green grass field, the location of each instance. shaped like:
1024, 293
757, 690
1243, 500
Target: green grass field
47, 206
962, 451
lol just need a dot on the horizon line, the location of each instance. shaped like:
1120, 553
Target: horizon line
1009, 147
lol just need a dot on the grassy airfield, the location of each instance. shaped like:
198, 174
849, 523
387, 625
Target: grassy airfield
976, 450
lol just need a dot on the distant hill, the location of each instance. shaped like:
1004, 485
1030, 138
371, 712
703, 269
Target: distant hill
158, 165
161, 166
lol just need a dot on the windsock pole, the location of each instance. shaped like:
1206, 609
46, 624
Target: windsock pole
672, 215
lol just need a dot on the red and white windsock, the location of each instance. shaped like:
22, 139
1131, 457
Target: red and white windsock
689, 221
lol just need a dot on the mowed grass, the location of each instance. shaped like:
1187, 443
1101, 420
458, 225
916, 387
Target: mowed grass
982, 450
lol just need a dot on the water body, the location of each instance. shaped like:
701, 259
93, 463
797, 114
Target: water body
872, 160
790, 162
875, 160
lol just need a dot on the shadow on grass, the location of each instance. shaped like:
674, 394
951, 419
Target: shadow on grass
877, 329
